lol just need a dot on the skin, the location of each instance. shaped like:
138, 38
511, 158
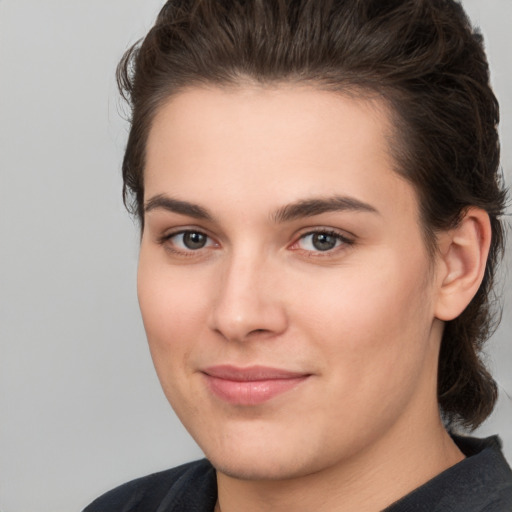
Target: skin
362, 320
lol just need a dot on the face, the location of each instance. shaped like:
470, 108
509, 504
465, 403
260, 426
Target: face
285, 288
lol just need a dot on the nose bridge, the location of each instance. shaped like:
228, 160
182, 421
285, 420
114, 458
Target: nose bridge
248, 300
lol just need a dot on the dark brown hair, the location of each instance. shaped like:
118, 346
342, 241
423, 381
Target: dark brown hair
421, 56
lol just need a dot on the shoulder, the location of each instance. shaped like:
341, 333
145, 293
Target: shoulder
482, 482
165, 490
486, 473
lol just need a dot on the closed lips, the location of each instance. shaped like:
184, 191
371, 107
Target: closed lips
250, 386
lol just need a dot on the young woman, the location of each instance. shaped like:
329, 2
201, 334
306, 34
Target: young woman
318, 191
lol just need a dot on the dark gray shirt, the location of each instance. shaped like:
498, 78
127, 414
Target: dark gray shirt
480, 483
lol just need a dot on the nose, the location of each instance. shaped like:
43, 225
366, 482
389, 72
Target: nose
248, 302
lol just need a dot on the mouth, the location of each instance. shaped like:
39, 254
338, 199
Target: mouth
250, 386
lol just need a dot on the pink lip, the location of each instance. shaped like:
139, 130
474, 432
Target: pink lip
250, 386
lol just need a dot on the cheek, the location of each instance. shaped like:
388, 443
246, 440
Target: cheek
372, 331
173, 308
174, 318
373, 317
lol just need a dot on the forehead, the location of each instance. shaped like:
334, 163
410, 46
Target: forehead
281, 143
253, 115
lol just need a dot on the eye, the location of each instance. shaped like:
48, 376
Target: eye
321, 241
187, 241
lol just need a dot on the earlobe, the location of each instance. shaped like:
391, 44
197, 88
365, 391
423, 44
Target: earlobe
463, 256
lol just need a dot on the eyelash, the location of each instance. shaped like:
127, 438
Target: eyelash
165, 239
342, 242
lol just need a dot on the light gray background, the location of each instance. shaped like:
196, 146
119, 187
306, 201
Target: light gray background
80, 407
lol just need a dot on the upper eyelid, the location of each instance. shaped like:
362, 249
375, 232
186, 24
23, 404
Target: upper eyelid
169, 233
335, 234
323, 229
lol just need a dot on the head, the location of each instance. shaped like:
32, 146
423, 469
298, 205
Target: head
420, 61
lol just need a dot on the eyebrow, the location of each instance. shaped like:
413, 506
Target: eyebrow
164, 202
312, 207
300, 209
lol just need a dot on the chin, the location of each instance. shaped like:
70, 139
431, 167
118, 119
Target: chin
266, 458
260, 468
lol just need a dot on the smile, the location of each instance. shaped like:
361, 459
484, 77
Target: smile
250, 386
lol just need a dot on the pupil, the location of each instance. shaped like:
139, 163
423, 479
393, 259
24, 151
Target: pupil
324, 242
194, 240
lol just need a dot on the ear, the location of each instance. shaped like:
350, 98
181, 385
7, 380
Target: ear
462, 257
